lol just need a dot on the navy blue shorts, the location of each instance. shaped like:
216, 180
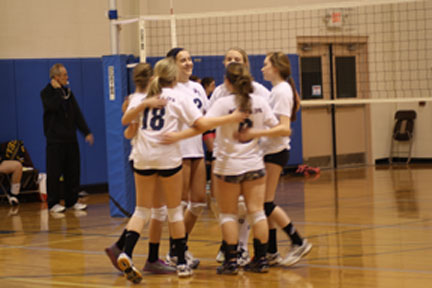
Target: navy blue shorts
160, 172
279, 158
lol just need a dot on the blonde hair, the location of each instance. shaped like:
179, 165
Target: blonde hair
142, 74
239, 77
281, 62
165, 73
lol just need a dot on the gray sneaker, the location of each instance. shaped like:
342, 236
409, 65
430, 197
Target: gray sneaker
190, 260
296, 253
274, 258
184, 270
159, 267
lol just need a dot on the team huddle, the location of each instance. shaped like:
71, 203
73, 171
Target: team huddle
166, 118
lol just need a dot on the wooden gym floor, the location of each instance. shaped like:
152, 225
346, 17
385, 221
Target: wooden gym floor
370, 227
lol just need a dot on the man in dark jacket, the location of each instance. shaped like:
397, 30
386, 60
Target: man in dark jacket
62, 116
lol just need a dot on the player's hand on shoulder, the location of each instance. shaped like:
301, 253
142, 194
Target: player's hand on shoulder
156, 102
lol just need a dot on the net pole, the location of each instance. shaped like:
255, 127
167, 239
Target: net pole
112, 13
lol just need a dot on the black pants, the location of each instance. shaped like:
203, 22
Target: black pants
62, 159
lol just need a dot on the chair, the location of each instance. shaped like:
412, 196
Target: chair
15, 150
403, 131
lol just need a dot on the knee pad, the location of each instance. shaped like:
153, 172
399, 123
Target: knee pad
159, 214
241, 206
142, 212
184, 204
196, 208
256, 217
224, 218
175, 214
269, 207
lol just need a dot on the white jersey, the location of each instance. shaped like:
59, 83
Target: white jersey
233, 157
281, 101
193, 147
221, 91
148, 152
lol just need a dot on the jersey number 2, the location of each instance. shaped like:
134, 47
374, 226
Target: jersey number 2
156, 121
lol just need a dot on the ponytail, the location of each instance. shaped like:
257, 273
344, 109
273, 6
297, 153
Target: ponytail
165, 75
243, 87
239, 77
296, 99
154, 88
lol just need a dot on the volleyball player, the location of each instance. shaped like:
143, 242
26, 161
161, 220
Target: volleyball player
238, 55
284, 101
142, 74
156, 166
194, 172
239, 167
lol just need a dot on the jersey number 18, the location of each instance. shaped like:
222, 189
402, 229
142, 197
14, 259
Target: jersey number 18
156, 121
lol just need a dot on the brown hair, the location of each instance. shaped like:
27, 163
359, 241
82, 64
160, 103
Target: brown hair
282, 63
239, 77
142, 74
165, 72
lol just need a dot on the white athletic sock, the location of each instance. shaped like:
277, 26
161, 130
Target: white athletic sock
15, 189
244, 230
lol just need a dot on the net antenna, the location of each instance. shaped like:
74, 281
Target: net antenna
145, 24
173, 26
142, 40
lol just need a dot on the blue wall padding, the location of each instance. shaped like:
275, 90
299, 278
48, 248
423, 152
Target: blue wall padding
95, 170
21, 109
8, 118
209, 66
121, 184
30, 77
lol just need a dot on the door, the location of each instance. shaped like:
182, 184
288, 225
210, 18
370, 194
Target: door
334, 135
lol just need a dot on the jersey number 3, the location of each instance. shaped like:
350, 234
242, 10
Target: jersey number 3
156, 121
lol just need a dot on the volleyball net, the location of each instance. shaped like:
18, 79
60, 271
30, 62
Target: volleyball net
370, 58
396, 36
